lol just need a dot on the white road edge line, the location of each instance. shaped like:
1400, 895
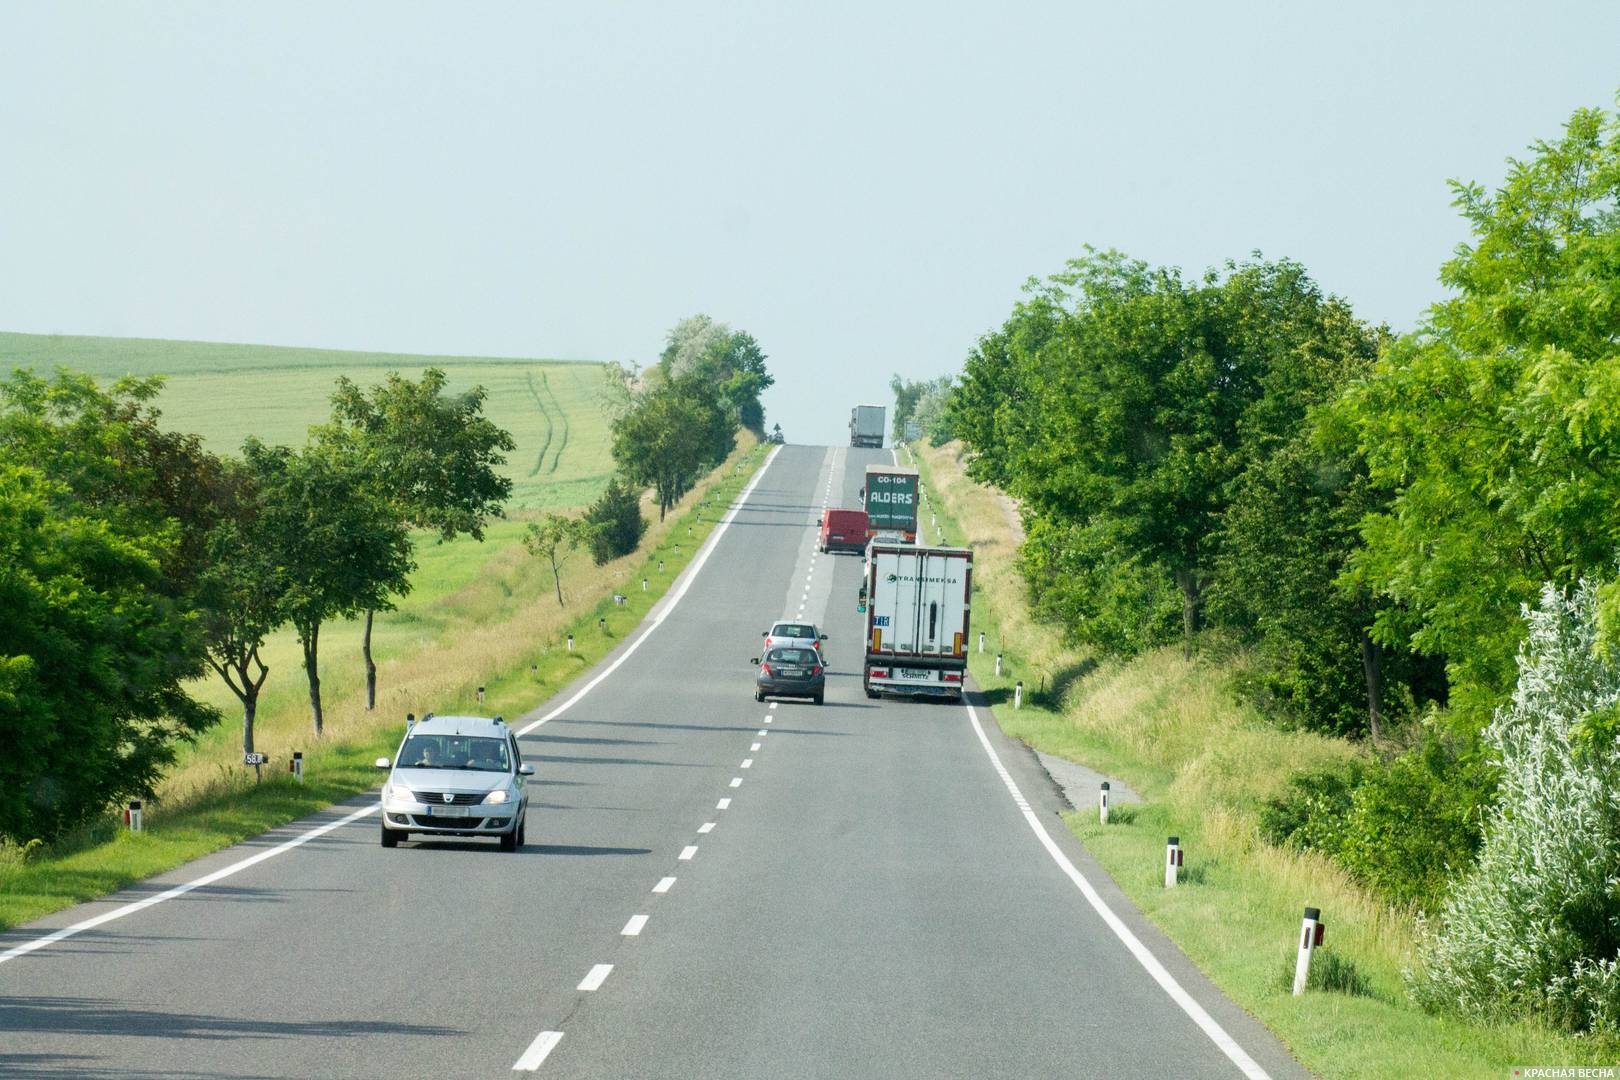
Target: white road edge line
544, 1043
1149, 962
688, 575
596, 978
633, 927
181, 890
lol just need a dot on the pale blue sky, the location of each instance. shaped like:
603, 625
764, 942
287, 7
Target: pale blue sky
863, 186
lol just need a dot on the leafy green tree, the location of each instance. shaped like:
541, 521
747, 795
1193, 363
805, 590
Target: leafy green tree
616, 522
339, 544
670, 435
93, 655
432, 454
1496, 426
1140, 398
241, 594
553, 537
700, 349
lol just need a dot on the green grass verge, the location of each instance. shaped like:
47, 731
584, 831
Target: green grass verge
1204, 765
222, 392
224, 804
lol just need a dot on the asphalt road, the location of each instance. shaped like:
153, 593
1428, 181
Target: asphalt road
711, 888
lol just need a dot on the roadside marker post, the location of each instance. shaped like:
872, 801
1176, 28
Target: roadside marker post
981, 641
998, 665
1172, 861
132, 816
1311, 933
570, 642
643, 584
1102, 804
1018, 694
480, 695
297, 766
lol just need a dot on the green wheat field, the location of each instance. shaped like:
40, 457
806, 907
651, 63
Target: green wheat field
225, 392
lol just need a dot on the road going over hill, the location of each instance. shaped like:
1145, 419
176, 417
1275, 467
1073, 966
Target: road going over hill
711, 888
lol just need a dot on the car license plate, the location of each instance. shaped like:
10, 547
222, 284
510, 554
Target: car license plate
916, 673
791, 672
446, 811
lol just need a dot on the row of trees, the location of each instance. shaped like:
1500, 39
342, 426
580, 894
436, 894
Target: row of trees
136, 560
681, 417
1370, 513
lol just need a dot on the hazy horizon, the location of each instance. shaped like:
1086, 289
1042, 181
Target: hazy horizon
863, 189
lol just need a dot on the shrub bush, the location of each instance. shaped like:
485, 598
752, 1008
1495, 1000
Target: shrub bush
617, 524
1534, 930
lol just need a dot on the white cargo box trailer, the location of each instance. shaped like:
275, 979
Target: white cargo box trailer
918, 607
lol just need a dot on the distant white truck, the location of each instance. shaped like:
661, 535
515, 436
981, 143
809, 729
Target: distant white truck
866, 426
918, 608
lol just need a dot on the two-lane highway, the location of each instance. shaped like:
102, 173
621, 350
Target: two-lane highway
712, 887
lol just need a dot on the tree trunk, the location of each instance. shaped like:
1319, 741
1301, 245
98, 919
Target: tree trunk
1189, 610
1372, 666
371, 667
556, 579
250, 709
311, 643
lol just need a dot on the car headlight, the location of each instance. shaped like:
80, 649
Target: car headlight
398, 793
499, 795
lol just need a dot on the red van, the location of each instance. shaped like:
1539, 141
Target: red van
843, 530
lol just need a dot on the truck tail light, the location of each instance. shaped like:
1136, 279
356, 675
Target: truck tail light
952, 676
880, 673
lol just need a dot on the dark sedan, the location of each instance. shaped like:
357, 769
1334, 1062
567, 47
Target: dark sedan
790, 672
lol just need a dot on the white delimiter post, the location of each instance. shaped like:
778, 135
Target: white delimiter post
998, 665
1172, 859
297, 766
1310, 936
134, 815
1102, 804
1018, 694
981, 641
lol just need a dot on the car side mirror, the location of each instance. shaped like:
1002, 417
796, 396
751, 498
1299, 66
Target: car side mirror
754, 660
764, 633
823, 637
525, 769
383, 763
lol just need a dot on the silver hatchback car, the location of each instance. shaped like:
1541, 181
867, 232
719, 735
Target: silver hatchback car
456, 776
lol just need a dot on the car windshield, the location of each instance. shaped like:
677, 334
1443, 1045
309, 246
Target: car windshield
793, 656
793, 629
455, 752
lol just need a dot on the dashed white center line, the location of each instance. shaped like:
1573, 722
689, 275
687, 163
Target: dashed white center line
707, 826
763, 733
663, 885
688, 851
633, 927
755, 747
596, 978
723, 804
736, 781
748, 763
774, 704
767, 719
544, 1043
